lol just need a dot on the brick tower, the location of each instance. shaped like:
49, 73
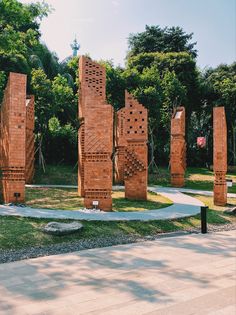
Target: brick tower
220, 155
13, 126
131, 147
178, 147
95, 136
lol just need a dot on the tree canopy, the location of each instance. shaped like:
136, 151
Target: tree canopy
157, 39
160, 71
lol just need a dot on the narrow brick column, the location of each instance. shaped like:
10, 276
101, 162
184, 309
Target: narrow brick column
13, 123
29, 147
131, 147
178, 148
95, 136
220, 155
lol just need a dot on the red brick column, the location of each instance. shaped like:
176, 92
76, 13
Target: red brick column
13, 122
220, 155
131, 145
178, 148
95, 136
29, 147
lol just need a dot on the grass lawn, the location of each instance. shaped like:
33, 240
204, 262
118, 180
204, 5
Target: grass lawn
18, 233
68, 199
195, 178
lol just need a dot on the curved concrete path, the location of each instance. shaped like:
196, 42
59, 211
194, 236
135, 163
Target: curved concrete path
183, 206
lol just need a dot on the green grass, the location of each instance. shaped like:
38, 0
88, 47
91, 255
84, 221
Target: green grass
56, 175
68, 199
195, 178
18, 233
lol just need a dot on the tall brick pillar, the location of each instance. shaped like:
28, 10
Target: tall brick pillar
13, 122
95, 136
131, 148
29, 146
220, 155
178, 148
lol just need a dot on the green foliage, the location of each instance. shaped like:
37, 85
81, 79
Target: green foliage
220, 90
19, 33
115, 84
3, 80
156, 39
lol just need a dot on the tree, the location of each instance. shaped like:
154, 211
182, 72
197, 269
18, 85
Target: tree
156, 39
221, 90
19, 33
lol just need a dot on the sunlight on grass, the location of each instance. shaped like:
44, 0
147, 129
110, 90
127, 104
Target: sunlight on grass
68, 199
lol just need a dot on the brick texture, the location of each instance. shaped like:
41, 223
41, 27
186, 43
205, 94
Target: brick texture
220, 155
29, 146
95, 136
178, 148
131, 148
13, 136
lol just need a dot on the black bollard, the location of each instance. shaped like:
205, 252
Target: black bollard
204, 220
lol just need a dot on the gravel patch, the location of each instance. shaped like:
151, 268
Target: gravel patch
66, 247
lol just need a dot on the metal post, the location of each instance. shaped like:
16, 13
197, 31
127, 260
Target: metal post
204, 219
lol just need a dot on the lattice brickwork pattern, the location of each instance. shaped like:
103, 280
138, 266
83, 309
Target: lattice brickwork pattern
95, 136
13, 135
220, 155
29, 147
131, 148
178, 148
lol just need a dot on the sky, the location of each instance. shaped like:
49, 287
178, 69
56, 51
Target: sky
103, 26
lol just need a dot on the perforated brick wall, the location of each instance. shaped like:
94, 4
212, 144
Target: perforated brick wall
131, 148
29, 147
220, 155
13, 136
178, 148
95, 136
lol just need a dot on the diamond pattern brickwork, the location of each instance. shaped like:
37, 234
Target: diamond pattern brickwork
131, 148
95, 136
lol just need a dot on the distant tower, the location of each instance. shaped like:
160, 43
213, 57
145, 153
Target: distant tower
75, 47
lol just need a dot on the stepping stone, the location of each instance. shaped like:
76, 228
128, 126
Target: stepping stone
57, 228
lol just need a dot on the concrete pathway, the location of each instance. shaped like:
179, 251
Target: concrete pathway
183, 206
184, 275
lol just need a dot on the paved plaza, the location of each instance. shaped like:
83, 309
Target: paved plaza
194, 274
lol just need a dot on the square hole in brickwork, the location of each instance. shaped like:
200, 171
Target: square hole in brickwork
128, 119
140, 127
131, 113
136, 119
142, 119
140, 112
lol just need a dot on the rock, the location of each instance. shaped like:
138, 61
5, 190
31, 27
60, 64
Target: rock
57, 228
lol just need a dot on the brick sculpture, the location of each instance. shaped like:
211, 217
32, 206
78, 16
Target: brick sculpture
178, 148
12, 142
220, 155
29, 147
131, 148
95, 136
